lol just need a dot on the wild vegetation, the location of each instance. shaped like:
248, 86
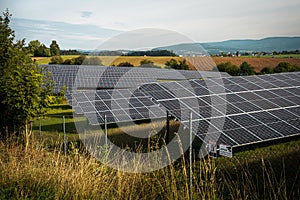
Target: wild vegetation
40, 173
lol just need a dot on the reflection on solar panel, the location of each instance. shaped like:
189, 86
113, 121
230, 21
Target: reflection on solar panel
228, 110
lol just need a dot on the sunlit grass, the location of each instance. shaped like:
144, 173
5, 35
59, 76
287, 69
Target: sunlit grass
43, 172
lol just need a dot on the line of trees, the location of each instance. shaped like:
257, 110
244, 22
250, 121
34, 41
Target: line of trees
70, 52
38, 49
143, 63
151, 53
246, 69
80, 60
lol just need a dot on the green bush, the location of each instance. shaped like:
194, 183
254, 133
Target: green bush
286, 67
230, 68
56, 60
125, 64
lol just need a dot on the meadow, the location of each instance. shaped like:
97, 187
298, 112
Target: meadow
44, 172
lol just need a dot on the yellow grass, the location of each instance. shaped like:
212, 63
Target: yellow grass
115, 60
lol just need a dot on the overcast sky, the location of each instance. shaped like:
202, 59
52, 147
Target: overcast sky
200, 20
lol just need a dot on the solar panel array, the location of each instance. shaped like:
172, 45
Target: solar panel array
229, 110
226, 110
103, 77
121, 105
237, 110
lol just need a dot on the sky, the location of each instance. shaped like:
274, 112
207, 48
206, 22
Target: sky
201, 21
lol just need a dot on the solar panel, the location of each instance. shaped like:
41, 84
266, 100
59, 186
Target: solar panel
126, 105
230, 110
253, 112
91, 77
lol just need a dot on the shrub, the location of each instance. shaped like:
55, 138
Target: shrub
246, 69
229, 68
125, 64
286, 67
56, 60
267, 70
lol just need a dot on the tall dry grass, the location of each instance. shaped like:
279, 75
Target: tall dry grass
43, 174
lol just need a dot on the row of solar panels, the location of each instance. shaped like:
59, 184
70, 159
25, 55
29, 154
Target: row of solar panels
228, 110
103, 77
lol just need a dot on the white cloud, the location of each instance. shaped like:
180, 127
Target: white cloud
200, 20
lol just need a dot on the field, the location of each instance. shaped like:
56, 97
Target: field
256, 62
115, 60
43, 172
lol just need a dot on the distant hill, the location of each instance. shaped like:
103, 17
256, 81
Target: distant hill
266, 45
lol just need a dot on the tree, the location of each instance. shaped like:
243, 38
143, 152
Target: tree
33, 46
177, 65
172, 63
37, 48
246, 69
54, 48
24, 91
183, 65
42, 51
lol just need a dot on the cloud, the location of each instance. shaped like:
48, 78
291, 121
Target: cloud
86, 14
68, 35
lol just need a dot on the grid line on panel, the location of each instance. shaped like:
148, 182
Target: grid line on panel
257, 108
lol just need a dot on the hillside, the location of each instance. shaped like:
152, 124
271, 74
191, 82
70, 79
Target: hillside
266, 45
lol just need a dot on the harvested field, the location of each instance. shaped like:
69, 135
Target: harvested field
202, 63
257, 63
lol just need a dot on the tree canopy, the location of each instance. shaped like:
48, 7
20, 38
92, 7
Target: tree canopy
246, 69
25, 92
229, 68
33, 46
286, 67
54, 48
174, 64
